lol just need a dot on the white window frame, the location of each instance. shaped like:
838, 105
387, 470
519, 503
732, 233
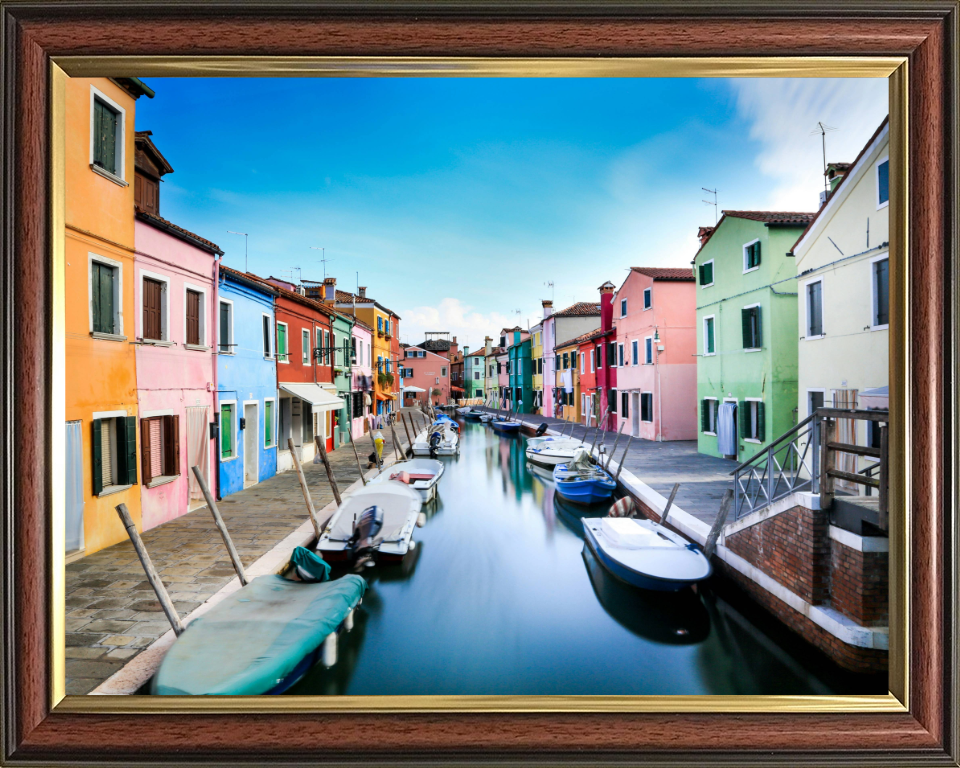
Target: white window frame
876, 179
648, 347
230, 340
712, 318
276, 421
751, 306
640, 407
165, 339
233, 437
305, 348
327, 352
806, 307
716, 412
583, 363
620, 357
713, 275
822, 391
121, 147
275, 339
752, 439
873, 292
647, 292
443, 371
117, 297
203, 345
271, 353
623, 307
745, 246
593, 359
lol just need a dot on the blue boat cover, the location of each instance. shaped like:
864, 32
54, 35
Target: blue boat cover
256, 637
310, 566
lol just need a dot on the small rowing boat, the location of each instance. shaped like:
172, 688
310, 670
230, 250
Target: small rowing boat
420, 474
581, 481
549, 452
505, 425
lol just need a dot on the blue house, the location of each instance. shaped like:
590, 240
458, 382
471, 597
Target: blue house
246, 382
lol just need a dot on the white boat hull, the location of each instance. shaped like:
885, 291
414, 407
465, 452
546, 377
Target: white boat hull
426, 488
401, 507
449, 445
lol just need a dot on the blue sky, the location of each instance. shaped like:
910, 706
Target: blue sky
457, 200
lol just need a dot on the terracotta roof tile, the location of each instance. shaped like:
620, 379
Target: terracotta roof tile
666, 273
580, 309
774, 217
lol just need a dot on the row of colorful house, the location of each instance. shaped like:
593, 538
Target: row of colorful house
174, 360
782, 313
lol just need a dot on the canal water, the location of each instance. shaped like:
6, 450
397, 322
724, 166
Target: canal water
501, 596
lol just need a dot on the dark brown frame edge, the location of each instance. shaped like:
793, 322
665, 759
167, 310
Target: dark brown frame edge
925, 32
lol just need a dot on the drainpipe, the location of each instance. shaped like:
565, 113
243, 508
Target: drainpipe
216, 366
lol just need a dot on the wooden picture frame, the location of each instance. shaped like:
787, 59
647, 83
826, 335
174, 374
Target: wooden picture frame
916, 723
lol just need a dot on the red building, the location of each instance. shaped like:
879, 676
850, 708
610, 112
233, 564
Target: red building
605, 354
588, 377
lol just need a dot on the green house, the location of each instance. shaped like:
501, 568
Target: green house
520, 370
747, 333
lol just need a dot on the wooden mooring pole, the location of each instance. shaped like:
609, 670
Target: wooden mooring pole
152, 576
303, 487
666, 509
597, 435
218, 521
718, 524
623, 459
615, 444
406, 429
396, 443
356, 455
318, 441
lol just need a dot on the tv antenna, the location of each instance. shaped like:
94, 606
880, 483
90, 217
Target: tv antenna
713, 203
822, 129
549, 285
323, 260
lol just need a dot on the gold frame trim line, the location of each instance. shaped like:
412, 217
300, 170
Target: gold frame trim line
894, 68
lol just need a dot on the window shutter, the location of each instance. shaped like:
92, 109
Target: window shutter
745, 321
761, 426
758, 328
171, 434
97, 457
743, 408
226, 431
127, 449
756, 255
193, 317
152, 326
145, 447
704, 415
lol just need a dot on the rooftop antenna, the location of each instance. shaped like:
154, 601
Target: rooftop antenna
549, 285
713, 203
231, 232
324, 260
822, 129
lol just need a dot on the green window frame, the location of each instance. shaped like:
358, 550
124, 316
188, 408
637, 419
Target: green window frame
751, 255
268, 424
752, 327
102, 278
106, 129
226, 431
706, 273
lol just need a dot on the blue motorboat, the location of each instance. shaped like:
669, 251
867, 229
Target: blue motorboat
504, 425
444, 419
473, 414
581, 482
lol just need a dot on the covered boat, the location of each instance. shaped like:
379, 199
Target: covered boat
552, 451
260, 639
439, 439
399, 505
420, 474
473, 414
583, 482
645, 554
505, 425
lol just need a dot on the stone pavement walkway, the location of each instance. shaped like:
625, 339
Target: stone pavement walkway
702, 478
112, 613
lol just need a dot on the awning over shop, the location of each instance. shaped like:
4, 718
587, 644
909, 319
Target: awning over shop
456, 389
412, 388
875, 398
318, 397
381, 396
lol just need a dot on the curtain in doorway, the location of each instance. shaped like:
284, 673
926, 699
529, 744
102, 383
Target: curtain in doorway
197, 431
846, 433
74, 486
727, 430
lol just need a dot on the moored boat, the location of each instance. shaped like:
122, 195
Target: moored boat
551, 452
398, 506
505, 425
439, 439
582, 482
420, 474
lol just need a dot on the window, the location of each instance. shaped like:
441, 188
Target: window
114, 442
104, 298
709, 336
881, 293
623, 307
635, 351
357, 405
566, 360
599, 355
620, 354
646, 406
558, 363
612, 400
227, 438
443, 370
226, 328
814, 400
625, 404
612, 354
647, 298
706, 274
305, 346
282, 343
815, 309
106, 135
476, 375
379, 323
267, 337
269, 436
509, 366
195, 311
708, 415
883, 183
583, 364
751, 420
326, 347
152, 298
159, 448
648, 350
503, 341
593, 361
751, 256
752, 337
539, 365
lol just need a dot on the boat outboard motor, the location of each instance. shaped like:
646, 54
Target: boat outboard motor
541, 430
362, 542
435, 438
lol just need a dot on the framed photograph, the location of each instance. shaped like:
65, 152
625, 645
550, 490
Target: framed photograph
502, 383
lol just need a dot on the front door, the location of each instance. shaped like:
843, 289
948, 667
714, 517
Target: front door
74, 478
198, 452
328, 420
251, 444
635, 413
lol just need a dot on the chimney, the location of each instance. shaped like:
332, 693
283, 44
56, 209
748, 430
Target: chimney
454, 346
606, 305
487, 345
329, 290
703, 233
362, 292
834, 173
547, 308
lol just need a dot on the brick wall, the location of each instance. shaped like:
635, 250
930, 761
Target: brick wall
859, 583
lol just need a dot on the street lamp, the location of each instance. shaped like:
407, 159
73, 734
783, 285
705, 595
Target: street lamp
231, 232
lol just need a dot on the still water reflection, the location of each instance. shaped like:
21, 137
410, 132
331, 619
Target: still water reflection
502, 597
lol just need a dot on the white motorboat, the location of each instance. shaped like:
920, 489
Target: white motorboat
439, 439
399, 505
552, 451
645, 554
420, 474
486, 418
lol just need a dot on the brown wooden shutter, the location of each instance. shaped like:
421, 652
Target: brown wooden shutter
145, 451
152, 326
193, 317
171, 454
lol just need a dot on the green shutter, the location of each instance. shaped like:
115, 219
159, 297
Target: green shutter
226, 431
102, 296
127, 450
744, 410
97, 458
268, 424
710, 343
758, 340
756, 254
761, 426
745, 322
708, 273
704, 416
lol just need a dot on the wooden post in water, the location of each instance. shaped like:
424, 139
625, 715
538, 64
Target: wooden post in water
597, 434
615, 444
318, 441
718, 524
396, 443
303, 487
152, 576
666, 509
353, 444
218, 521
409, 439
623, 459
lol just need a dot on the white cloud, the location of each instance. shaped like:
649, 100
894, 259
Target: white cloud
783, 113
451, 315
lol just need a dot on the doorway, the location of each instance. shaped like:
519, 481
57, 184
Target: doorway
251, 444
635, 414
727, 436
74, 483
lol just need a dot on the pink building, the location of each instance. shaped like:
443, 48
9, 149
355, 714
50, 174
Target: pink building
503, 377
656, 345
362, 373
175, 314
427, 371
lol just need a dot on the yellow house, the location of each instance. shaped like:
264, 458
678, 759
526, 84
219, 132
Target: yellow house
101, 382
568, 374
536, 360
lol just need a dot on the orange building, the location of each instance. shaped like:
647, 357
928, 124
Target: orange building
101, 381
